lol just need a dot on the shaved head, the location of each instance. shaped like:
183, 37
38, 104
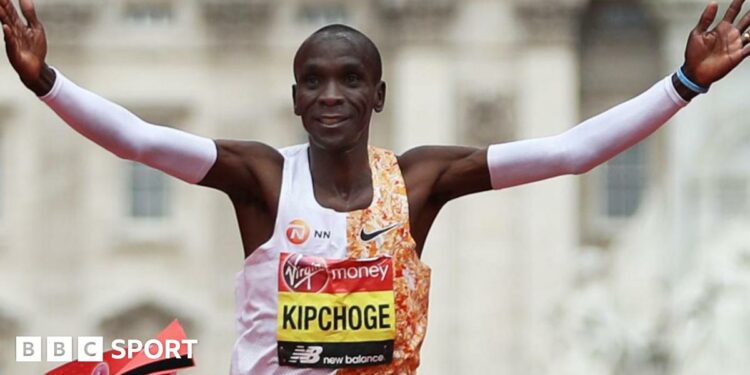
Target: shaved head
364, 46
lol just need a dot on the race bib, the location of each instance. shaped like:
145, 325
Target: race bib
335, 312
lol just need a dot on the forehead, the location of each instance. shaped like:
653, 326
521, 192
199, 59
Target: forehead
332, 49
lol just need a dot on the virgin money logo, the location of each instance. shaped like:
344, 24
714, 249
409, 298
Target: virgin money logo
305, 274
297, 232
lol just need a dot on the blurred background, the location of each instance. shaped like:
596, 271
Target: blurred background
640, 267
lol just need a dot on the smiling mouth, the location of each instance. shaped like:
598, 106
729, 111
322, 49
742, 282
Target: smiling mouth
332, 120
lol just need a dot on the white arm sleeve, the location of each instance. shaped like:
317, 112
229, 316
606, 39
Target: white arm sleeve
587, 145
177, 153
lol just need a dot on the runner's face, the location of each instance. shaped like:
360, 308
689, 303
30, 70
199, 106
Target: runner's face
336, 91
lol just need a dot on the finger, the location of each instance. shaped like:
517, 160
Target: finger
734, 9
744, 22
707, 17
27, 8
3, 17
10, 13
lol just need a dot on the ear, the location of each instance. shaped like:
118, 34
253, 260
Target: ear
379, 96
294, 99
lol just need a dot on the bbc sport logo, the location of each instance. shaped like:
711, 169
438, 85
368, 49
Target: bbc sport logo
170, 350
91, 348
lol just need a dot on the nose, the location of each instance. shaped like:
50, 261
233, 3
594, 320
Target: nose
331, 95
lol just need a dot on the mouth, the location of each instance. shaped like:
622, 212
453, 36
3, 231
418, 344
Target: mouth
331, 119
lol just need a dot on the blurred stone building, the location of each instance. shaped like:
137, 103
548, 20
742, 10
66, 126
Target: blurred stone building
641, 266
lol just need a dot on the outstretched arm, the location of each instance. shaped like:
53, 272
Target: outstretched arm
709, 56
587, 145
436, 174
221, 164
177, 153
451, 172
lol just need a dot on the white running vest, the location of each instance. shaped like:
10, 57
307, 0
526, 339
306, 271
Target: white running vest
333, 292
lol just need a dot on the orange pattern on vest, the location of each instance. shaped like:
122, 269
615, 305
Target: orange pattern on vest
412, 277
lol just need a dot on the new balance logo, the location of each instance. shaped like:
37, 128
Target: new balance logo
306, 356
364, 236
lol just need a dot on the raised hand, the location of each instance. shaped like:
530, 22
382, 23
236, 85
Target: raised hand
26, 45
710, 55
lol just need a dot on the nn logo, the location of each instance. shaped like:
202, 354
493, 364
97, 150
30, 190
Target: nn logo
325, 234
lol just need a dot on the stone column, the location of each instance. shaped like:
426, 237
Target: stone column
421, 104
422, 82
548, 218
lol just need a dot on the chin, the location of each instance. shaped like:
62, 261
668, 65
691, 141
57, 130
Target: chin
336, 139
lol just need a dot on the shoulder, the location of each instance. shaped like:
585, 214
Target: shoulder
442, 173
240, 150
435, 158
248, 158
244, 167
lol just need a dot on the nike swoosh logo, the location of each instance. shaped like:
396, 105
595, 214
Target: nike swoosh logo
364, 236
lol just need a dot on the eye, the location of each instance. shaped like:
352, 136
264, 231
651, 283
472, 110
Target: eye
311, 81
352, 79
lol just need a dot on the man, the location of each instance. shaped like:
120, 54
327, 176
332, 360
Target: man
354, 301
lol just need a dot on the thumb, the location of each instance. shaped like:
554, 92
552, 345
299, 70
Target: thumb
28, 10
703, 24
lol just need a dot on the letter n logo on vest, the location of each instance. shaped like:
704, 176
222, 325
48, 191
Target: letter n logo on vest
297, 232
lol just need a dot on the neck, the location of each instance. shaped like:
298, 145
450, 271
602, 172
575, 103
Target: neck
341, 179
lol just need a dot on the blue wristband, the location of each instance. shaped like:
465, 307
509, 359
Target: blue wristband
690, 84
